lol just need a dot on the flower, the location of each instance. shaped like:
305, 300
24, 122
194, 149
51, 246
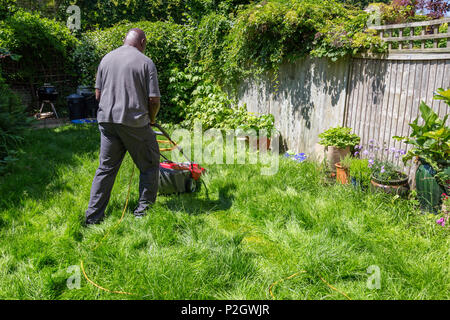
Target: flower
365, 152
441, 222
382, 169
393, 150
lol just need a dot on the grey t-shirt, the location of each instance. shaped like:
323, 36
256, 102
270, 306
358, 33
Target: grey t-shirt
126, 78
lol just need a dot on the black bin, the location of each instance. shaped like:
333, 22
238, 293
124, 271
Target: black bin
77, 106
91, 104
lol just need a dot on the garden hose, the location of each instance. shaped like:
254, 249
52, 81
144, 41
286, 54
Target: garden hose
105, 236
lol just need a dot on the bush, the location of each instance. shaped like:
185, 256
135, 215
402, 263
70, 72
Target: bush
39, 41
272, 32
13, 122
106, 13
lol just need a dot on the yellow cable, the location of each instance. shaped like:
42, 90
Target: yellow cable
104, 237
304, 271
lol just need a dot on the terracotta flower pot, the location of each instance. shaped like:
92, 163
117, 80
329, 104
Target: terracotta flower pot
399, 187
341, 174
334, 155
262, 144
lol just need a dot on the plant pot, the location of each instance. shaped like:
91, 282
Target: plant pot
341, 174
429, 191
399, 187
334, 155
262, 144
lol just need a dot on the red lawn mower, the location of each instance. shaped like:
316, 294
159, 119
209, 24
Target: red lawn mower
177, 177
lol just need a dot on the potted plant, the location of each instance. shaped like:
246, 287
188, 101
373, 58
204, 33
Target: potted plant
360, 173
262, 125
342, 168
388, 178
384, 174
337, 142
431, 150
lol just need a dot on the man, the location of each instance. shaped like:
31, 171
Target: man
129, 100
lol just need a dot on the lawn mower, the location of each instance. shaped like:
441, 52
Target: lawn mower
177, 177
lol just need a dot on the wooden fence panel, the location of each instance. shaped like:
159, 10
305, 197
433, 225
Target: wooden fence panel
384, 97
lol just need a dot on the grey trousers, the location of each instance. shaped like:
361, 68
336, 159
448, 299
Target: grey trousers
116, 140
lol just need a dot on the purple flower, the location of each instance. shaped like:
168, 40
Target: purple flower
356, 153
371, 162
393, 149
365, 152
402, 152
382, 169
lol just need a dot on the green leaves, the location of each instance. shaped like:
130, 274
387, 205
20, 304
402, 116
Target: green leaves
431, 139
442, 94
340, 137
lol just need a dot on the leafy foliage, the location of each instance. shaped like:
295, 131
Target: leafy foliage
340, 137
430, 140
13, 122
359, 169
7, 8
38, 41
386, 171
214, 109
106, 13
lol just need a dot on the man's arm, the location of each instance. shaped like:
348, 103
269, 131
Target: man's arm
153, 108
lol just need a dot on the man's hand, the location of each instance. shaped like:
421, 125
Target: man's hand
154, 105
98, 94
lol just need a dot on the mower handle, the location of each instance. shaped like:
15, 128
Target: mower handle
165, 134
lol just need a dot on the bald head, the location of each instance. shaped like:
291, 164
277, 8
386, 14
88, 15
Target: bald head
136, 38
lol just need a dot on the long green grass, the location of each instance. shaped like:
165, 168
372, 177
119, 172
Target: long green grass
249, 231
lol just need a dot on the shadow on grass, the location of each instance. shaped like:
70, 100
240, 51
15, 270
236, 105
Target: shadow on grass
193, 204
45, 151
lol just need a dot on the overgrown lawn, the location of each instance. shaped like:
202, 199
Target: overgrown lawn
249, 231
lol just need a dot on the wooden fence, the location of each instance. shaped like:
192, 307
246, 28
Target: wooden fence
376, 95
385, 92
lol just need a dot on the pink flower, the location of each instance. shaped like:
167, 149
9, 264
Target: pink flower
441, 221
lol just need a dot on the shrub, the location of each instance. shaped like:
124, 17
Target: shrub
38, 40
268, 33
13, 122
106, 13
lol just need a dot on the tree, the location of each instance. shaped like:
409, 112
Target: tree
436, 8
